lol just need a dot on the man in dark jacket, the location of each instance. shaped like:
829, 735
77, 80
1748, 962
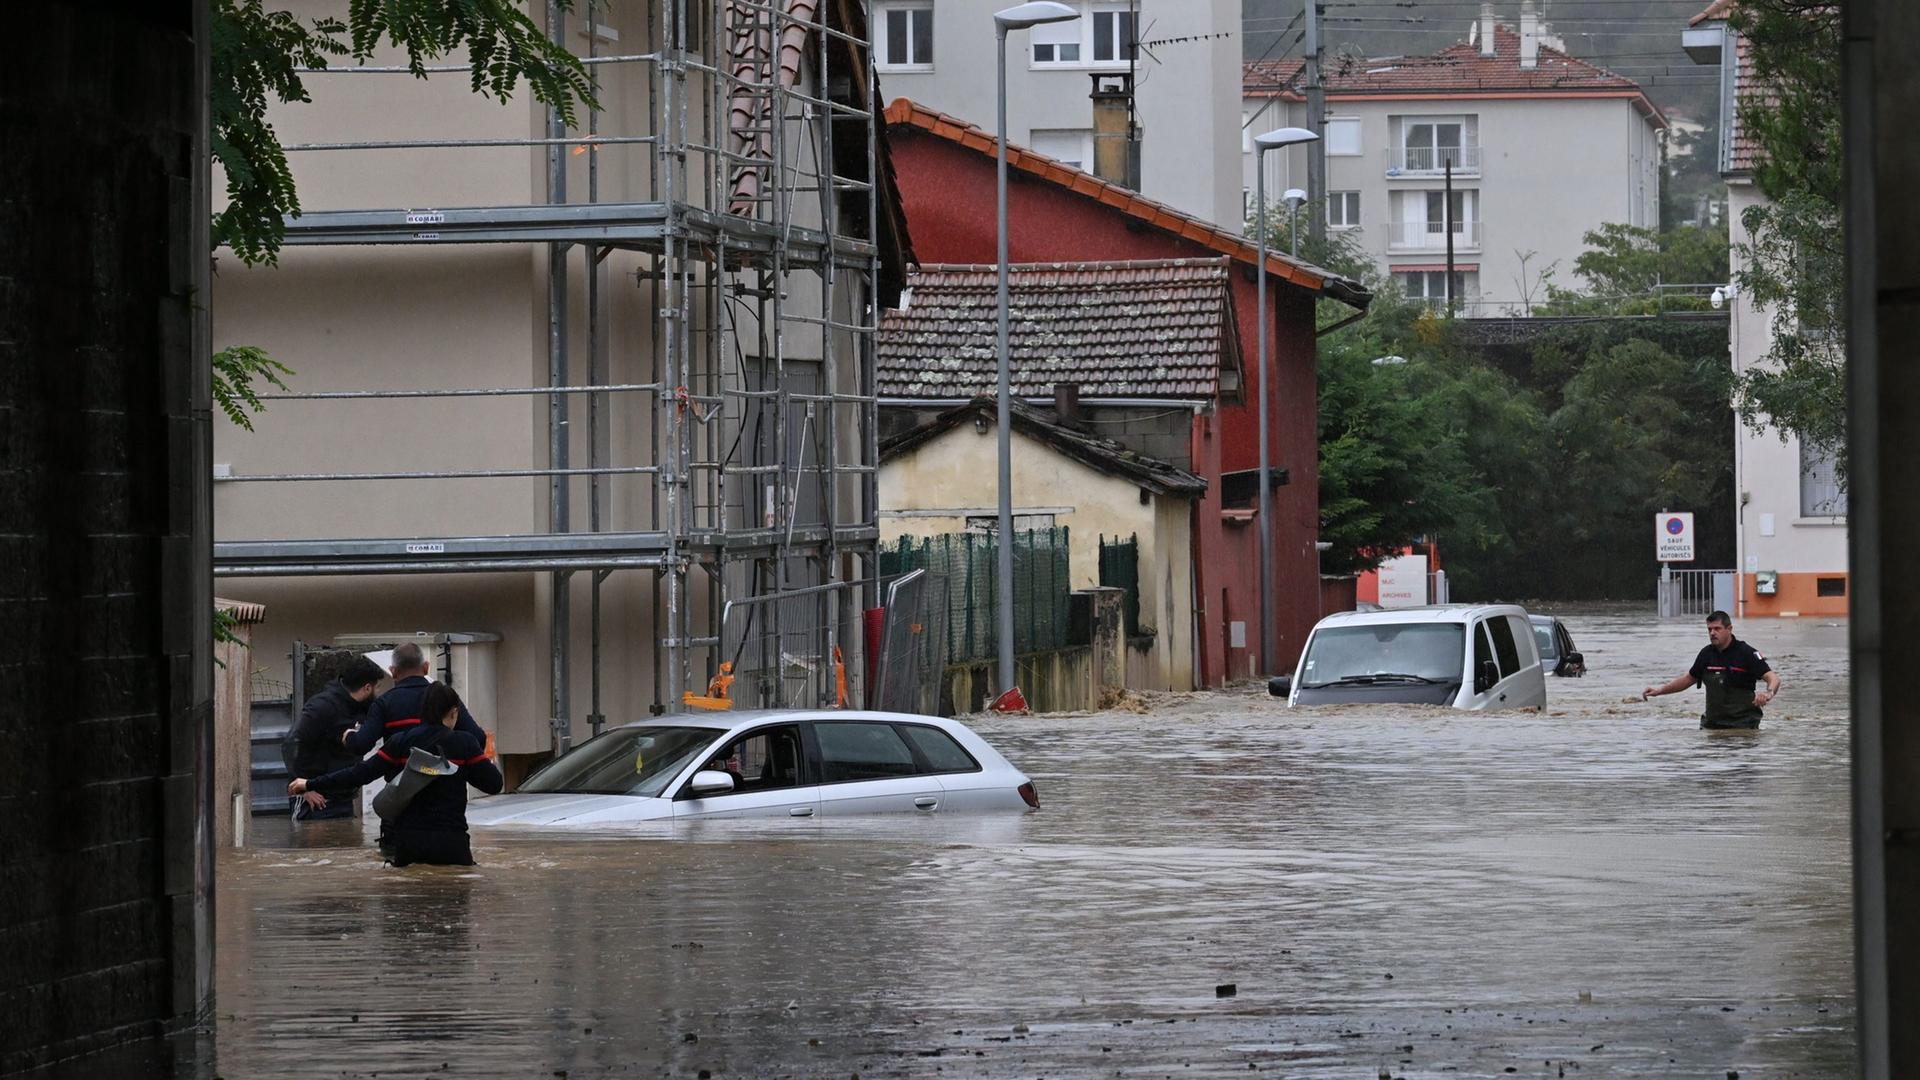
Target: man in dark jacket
399, 708
315, 745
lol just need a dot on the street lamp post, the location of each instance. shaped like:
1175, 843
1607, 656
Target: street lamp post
1019, 17
1263, 143
1293, 198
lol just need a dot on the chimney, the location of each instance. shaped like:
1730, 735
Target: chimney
1066, 404
1485, 30
1529, 37
1115, 151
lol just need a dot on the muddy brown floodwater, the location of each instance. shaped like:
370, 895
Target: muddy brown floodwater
1601, 890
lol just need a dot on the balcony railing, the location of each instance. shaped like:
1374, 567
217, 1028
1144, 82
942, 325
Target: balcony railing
1432, 236
1423, 161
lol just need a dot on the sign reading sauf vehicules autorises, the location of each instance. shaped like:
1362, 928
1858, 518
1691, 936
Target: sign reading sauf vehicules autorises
1673, 536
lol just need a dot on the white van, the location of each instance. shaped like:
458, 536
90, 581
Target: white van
1467, 656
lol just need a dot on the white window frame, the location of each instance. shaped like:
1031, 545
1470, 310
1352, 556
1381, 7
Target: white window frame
1056, 36
1408, 123
1462, 292
1821, 495
1038, 138
883, 13
1344, 199
1359, 138
1092, 50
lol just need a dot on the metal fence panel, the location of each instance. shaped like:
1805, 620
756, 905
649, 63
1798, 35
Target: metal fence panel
969, 563
913, 645
1120, 569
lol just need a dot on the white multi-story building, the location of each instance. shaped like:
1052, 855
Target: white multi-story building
1544, 148
1790, 513
1181, 78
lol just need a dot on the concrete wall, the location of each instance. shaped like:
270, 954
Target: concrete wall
1187, 98
1552, 170
1772, 533
933, 489
106, 604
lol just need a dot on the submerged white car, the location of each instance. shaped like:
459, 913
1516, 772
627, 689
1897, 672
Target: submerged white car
1468, 656
764, 764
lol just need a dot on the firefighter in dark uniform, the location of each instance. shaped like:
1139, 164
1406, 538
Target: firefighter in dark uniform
398, 711
1729, 669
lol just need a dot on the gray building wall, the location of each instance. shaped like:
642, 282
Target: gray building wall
1551, 171
105, 597
1187, 93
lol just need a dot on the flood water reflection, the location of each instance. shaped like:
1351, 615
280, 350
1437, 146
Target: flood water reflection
1601, 887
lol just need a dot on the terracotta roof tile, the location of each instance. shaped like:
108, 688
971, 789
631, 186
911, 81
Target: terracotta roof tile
1457, 69
1160, 329
911, 113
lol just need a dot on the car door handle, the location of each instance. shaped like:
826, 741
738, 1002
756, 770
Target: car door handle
926, 802
800, 811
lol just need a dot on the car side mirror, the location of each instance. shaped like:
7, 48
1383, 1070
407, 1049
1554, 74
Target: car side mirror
1280, 685
710, 782
1489, 675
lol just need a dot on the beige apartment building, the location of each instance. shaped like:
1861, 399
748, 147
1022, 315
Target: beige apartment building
1544, 147
1790, 513
1167, 67
602, 392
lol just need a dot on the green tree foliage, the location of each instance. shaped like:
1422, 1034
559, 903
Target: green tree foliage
1629, 270
1795, 253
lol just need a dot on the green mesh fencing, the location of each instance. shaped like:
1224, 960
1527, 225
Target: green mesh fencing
1120, 569
969, 562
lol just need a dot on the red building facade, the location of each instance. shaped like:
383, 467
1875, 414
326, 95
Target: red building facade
1056, 214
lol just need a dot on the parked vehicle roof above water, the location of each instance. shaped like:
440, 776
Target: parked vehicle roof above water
1459, 613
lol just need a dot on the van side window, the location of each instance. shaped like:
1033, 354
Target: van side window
1482, 650
1503, 645
1522, 630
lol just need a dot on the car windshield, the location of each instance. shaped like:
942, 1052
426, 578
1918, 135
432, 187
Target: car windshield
625, 761
1544, 635
1384, 652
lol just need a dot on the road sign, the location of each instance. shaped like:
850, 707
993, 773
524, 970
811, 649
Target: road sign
1673, 537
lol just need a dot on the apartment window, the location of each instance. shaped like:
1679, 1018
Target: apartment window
1820, 492
1343, 136
906, 40
1343, 209
1057, 44
1430, 286
1429, 143
1068, 146
1437, 217
1113, 40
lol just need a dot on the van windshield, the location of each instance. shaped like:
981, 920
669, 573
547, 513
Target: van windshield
1385, 652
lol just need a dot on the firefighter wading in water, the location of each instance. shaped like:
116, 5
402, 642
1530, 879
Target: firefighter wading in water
1729, 669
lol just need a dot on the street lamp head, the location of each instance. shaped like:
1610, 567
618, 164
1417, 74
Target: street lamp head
1294, 197
1022, 16
1275, 139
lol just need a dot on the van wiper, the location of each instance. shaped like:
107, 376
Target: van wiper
1389, 676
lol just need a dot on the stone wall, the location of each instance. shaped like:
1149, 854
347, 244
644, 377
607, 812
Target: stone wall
105, 561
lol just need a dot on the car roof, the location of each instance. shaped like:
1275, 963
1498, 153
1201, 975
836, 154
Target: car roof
1444, 613
727, 721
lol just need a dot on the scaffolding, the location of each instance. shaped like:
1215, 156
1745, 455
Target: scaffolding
762, 249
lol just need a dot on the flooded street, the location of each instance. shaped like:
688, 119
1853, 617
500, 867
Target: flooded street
1599, 890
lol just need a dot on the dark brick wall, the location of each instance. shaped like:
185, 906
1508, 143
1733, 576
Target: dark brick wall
105, 684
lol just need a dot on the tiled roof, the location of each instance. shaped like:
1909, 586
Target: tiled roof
1161, 329
1457, 69
1157, 214
1105, 455
1746, 88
